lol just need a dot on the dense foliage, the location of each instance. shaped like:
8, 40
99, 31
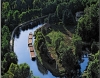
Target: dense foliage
92, 70
18, 71
88, 25
14, 12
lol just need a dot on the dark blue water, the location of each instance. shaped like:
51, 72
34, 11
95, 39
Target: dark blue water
84, 64
22, 51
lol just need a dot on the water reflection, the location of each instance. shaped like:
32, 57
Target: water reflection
24, 28
17, 32
22, 51
84, 64
41, 68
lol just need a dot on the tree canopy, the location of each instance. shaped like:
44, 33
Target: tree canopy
60, 12
19, 71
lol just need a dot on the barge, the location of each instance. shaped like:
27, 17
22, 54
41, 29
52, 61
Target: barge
32, 53
30, 37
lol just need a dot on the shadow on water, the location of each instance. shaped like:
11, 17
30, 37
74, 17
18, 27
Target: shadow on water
24, 28
22, 51
22, 37
31, 25
41, 68
17, 32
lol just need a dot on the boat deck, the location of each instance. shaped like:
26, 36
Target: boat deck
30, 37
32, 53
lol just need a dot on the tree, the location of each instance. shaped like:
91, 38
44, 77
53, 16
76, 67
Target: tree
3, 66
36, 4
53, 19
9, 16
5, 6
5, 37
94, 48
92, 70
75, 5
16, 16
9, 57
61, 48
29, 4
70, 63
88, 25
7, 75
77, 42
60, 9
51, 8
23, 16
68, 17
39, 39
19, 71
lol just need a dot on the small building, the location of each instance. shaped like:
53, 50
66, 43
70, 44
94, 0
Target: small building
79, 14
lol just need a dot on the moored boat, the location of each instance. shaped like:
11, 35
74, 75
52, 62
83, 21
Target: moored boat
30, 37
32, 53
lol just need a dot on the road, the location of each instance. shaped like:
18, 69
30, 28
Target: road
20, 25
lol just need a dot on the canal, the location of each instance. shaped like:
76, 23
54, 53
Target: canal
22, 51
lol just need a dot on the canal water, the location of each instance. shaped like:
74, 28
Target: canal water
22, 51
84, 64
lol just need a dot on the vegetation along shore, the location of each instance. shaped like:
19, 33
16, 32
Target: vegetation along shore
70, 30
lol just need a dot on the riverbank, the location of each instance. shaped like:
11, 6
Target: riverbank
53, 33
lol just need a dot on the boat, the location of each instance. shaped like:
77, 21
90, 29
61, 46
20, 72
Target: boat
32, 53
30, 37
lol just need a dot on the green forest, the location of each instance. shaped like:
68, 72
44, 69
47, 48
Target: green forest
63, 45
